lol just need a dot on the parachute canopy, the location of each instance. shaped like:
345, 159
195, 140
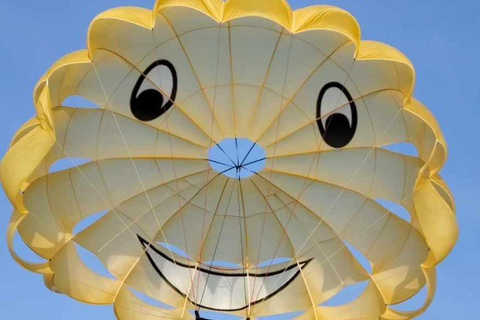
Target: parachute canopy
239, 159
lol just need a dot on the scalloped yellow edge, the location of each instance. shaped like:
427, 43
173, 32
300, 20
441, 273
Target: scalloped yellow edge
318, 17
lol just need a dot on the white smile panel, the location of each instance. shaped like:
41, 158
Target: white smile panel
222, 290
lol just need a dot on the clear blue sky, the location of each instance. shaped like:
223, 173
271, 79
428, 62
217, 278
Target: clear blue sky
440, 37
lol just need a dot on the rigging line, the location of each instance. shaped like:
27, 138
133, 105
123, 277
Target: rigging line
287, 65
340, 193
310, 122
248, 153
228, 156
313, 179
187, 295
253, 162
361, 97
296, 253
175, 194
198, 191
204, 239
63, 148
33, 214
263, 86
144, 250
91, 184
126, 146
218, 162
290, 100
174, 171
308, 290
295, 203
193, 197
292, 213
388, 212
313, 152
218, 239
293, 200
360, 193
236, 149
62, 228
156, 163
284, 229
211, 134
144, 305
261, 236
108, 203
177, 105
260, 247
184, 50
245, 264
316, 158
164, 184
413, 215
354, 174
114, 209
283, 92
174, 103
232, 83
236, 143
134, 165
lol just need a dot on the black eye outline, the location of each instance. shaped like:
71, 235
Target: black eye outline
335, 135
143, 105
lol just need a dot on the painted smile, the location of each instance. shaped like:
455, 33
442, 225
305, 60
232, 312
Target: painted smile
220, 284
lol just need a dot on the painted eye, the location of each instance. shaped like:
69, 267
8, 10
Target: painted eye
155, 91
336, 115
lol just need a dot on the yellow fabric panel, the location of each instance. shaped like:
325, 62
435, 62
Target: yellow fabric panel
20, 162
128, 23
327, 18
276, 10
338, 167
400, 284
438, 158
379, 105
368, 304
42, 92
443, 189
74, 278
212, 8
436, 219
43, 268
373, 50
24, 129
77, 57
128, 306
392, 314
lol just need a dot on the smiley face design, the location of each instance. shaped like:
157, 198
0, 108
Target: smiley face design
241, 158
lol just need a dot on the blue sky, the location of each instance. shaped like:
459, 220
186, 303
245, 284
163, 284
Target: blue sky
440, 37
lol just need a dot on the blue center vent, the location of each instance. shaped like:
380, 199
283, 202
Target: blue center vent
237, 158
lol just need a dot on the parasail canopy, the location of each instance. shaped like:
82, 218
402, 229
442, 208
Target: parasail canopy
240, 158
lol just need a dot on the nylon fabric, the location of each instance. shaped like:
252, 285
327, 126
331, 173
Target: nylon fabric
170, 84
